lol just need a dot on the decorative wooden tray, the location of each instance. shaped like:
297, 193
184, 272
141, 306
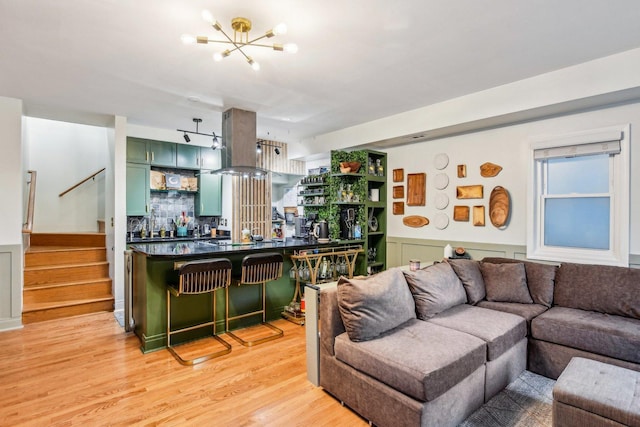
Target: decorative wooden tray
461, 213
416, 189
398, 208
489, 170
478, 216
398, 191
499, 206
470, 191
415, 221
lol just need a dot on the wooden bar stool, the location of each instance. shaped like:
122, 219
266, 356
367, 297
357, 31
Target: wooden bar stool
199, 277
258, 269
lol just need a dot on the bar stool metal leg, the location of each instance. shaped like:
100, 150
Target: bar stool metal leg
257, 269
200, 277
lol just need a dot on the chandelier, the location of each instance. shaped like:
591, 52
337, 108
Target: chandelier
240, 40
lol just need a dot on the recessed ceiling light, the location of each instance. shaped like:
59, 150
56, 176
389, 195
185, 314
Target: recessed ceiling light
193, 99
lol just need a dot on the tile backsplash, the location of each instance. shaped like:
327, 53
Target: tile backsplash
166, 208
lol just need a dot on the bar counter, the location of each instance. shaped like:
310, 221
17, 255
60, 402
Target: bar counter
154, 266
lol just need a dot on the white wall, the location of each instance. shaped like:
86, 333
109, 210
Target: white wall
507, 146
63, 154
12, 183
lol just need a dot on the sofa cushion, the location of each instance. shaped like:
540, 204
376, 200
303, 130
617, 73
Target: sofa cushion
499, 330
528, 311
540, 278
468, 271
435, 289
420, 359
374, 305
607, 289
608, 335
505, 282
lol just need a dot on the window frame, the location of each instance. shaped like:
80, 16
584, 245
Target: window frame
619, 192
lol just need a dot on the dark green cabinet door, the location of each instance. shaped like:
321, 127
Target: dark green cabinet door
162, 153
137, 189
209, 198
187, 156
210, 158
137, 150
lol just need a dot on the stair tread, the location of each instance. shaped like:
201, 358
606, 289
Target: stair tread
62, 248
57, 266
69, 283
57, 304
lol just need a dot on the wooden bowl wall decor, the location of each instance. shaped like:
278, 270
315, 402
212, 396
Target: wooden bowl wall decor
499, 207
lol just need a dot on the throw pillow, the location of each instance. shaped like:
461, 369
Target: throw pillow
435, 289
371, 306
468, 271
506, 282
540, 278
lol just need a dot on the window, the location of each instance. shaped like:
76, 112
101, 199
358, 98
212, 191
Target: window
579, 198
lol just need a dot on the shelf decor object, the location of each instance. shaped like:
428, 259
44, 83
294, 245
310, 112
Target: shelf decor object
461, 213
398, 175
470, 192
478, 216
462, 171
241, 40
499, 207
416, 189
415, 221
489, 170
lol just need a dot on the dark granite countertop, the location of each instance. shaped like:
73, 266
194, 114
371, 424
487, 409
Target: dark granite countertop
187, 248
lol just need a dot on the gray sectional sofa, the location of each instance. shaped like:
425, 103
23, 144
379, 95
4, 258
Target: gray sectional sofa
431, 346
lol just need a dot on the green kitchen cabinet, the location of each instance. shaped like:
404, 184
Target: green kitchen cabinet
209, 158
148, 151
137, 150
187, 156
138, 193
209, 197
162, 153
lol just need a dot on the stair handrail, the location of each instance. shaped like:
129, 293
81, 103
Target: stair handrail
28, 226
93, 175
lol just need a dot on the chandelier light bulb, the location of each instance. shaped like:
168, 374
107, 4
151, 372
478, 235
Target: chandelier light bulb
208, 17
254, 64
280, 29
217, 57
291, 48
188, 39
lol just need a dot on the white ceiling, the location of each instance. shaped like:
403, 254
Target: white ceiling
359, 60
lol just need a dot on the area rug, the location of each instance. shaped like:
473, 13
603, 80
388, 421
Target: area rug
526, 402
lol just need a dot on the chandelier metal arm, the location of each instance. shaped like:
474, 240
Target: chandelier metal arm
238, 47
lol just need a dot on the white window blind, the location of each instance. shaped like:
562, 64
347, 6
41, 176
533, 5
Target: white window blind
611, 145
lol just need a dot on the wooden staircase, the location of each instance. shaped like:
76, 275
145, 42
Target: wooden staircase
65, 274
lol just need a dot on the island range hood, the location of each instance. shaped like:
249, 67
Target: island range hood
239, 152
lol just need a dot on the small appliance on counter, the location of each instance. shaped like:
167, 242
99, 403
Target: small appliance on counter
302, 226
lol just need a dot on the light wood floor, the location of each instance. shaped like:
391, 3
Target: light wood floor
87, 371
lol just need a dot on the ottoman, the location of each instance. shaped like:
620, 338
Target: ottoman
591, 393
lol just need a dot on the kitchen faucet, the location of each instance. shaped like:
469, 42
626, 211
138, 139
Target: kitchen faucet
152, 223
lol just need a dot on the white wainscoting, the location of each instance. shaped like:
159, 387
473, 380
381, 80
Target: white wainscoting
400, 250
10, 287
